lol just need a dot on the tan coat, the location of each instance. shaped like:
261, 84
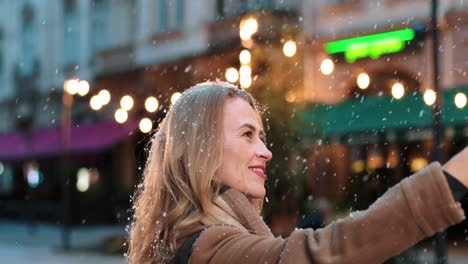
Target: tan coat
416, 208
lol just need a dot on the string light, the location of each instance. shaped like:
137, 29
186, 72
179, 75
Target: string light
289, 48
121, 116
126, 102
145, 125
151, 104
232, 75
460, 100
398, 90
363, 80
327, 66
429, 97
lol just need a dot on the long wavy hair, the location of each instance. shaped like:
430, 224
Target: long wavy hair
179, 184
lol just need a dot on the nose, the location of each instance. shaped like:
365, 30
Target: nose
263, 152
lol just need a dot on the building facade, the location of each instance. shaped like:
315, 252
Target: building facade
367, 127
138, 48
144, 48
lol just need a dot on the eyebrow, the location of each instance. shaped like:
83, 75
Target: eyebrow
261, 132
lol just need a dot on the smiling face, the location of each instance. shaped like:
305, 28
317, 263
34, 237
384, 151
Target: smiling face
245, 154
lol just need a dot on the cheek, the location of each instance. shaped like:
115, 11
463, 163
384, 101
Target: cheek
234, 154
234, 172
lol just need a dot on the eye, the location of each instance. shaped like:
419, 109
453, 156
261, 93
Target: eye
248, 134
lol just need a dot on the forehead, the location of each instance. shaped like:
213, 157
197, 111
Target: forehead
237, 112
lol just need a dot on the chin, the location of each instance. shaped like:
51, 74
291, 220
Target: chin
257, 194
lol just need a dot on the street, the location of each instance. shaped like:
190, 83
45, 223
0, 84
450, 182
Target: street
22, 243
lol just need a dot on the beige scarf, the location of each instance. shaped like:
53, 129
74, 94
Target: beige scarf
236, 210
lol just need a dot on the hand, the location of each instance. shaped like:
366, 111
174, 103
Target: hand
457, 166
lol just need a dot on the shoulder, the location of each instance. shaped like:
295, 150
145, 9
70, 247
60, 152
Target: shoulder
225, 243
216, 234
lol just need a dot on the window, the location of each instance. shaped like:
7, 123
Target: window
99, 24
229, 8
171, 15
2, 52
163, 20
70, 38
179, 13
219, 9
121, 23
28, 37
260, 4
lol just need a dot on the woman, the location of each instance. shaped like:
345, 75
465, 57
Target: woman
205, 175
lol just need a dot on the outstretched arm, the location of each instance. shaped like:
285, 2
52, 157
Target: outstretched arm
416, 208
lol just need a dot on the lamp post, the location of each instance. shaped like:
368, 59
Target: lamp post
70, 87
440, 248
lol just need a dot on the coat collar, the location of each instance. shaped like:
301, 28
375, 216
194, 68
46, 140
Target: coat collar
238, 211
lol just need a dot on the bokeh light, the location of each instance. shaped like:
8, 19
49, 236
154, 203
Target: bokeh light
232, 75
398, 90
327, 66
104, 96
95, 102
71, 86
290, 97
363, 80
83, 88
126, 102
429, 97
175, 96
151, 104
460, 100
248, 27
245, 81
418, 163
145, 125
245, 71
82, 179
245, 57
289, 48
121, 116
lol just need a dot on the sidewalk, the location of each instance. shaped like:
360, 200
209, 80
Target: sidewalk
20, 243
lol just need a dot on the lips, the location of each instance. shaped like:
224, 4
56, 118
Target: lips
259, 170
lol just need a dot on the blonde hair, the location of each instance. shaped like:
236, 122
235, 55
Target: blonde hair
179, 183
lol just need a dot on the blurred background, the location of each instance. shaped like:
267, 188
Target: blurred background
348, 90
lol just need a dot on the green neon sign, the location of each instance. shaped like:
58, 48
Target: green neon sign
371, 45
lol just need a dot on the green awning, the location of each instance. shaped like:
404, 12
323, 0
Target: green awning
373, 114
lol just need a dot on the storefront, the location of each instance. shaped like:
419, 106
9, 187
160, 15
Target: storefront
371, 96
378, 136
100, 165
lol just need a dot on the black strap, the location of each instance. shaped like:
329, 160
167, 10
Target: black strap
458, 189
183, 254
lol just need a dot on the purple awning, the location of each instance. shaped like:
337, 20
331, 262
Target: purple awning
47, 141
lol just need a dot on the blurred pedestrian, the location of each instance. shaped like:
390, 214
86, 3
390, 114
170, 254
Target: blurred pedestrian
317, 215
203, 188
